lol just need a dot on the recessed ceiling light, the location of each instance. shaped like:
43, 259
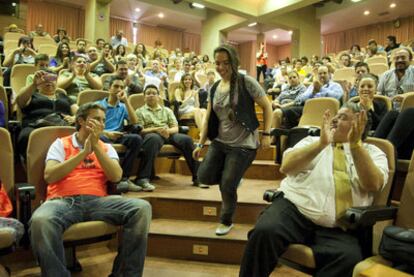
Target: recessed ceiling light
274, 36
137, 9
366, 13
290, 32
355, 1
198, 5
161, 15
14, 4
252, 24
393, 5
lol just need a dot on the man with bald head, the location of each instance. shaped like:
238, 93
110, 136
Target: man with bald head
39, 32
399, 80
119, 39
325, 175
322, 86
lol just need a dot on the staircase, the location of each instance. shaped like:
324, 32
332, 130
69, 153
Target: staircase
185, 217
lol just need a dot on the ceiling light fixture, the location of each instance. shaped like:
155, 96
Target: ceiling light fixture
252, 24
14, 4
137, 10
393, 5
197, 5
355, 1
366, 13
161, 15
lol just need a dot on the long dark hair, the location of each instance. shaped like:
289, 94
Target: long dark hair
144, 50
59, 55
234, 63
182, 86
26, 39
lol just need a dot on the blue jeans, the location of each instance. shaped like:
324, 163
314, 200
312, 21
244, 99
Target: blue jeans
53, 217
225, 165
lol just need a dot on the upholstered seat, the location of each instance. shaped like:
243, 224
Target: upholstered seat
404, 219
82, 231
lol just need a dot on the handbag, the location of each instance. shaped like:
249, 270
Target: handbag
53, 119
397, 245
6, 206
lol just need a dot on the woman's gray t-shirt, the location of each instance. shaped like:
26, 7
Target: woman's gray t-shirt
231, 131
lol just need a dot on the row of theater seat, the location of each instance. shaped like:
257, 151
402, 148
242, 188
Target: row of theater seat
299, 256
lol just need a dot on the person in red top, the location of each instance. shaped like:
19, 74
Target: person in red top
77, 170
261, 63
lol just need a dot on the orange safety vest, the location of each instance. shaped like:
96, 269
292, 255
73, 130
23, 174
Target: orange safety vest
88, 177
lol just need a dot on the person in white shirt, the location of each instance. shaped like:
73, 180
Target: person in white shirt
308, 206
119, 39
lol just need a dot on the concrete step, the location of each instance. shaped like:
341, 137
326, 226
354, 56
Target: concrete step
203, 210
196, 240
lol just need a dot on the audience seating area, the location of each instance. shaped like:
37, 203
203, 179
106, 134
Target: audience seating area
184, 217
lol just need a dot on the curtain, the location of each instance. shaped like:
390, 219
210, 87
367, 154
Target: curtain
116, 24
170, 39
336, 42
283, 52
53, 16
191, 42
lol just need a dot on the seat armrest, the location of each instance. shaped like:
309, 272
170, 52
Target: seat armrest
271, 194
24, 189
356, 217
279, 132
133, 128
25, 193
183, 129
15, 122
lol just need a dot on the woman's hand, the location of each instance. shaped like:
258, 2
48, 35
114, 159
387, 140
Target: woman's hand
265, 142
196, 153
70, 119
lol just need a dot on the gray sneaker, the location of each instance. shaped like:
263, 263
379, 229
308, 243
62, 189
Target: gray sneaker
146, 186
133, 187
121, 186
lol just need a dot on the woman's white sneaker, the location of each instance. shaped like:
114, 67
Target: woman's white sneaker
223, 229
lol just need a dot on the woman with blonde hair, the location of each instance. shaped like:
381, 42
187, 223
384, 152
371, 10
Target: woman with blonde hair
187, 101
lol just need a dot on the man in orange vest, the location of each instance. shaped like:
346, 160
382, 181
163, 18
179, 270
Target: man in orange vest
77, 170
261, 63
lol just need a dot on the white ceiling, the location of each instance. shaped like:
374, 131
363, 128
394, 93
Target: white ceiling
148, 14
353, 16
248, 34
349, 15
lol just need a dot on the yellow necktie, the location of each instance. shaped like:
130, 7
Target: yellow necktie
343, 193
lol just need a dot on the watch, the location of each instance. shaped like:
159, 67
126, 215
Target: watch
265, 134
199, 145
